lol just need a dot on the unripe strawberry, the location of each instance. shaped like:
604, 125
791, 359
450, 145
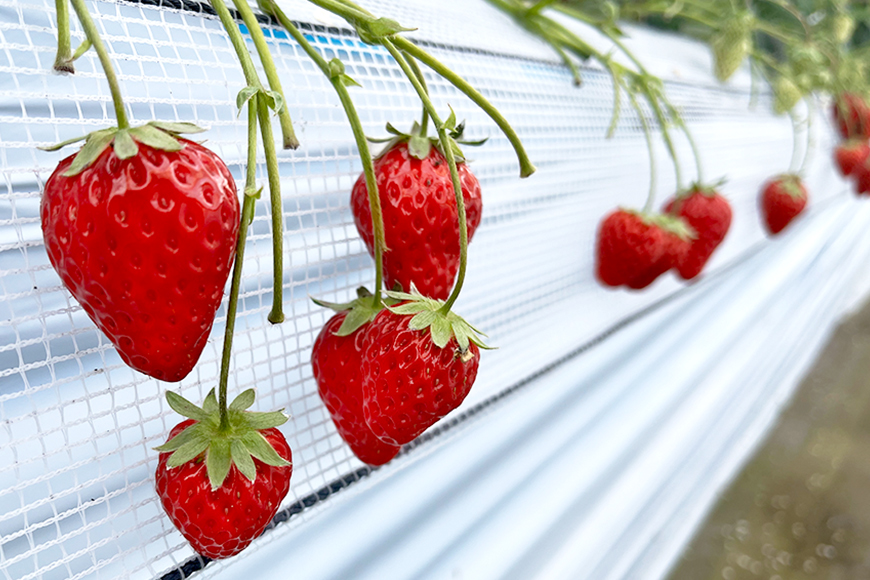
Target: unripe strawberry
731, 45
786, 95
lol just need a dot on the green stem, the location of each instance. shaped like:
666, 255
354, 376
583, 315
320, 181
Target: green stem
358, 134
526, 166
63, 60
287, 132
424, 119
698, 165
792, 166
345, 10
810, 141
238, 42
94, 36
276, 316
446, 145
650, 199
246, 217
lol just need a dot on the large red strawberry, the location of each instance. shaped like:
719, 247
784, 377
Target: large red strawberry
336, 361
709, 215
782, 199
221, 488
415, 369
633, 248
145, 243
850, 155
852, 115
420, 216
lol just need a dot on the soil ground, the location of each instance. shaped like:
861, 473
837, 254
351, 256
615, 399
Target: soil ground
800, 509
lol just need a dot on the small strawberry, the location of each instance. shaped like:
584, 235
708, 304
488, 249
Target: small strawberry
336, 360
419, 212
634, 248
221, 486
852, 116
861, 174
709, 215
415, 369
782, 199
850, 155
731, 44
141, 227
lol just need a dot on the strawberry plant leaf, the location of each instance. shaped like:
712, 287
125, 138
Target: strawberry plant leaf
244, 400
257, 445
155, 138
184, 407
124, 146
218, 462
210, 404
242, 458
95, 144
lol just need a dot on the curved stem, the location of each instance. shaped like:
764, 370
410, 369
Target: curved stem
792, 166
810, 141
650, 199
446, 145
238, 42
699, 168
526, 166
247, 215
94, 36
424, 120
276, 316
63, 60
287, 132
359, 136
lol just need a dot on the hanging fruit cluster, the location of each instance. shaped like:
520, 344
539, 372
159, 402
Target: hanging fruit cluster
144, 227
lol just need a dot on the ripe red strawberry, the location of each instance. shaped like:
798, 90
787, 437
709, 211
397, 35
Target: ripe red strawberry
414, 374
145, 244
420, 217
850, 155
709, 215
782, 199
225, 488
852, 115
634, 249
861, 174
336, 362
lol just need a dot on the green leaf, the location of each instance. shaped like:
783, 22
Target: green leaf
186, 436
62, 144
218, 462
260, 421
242, 458
189, 451
154, 137
245, 95
124, 146
419, 147
348, 81
244, 400
441, 331
257, 445
173, 127
274, 100
184, 407
450, 123
422, 320
94, 146
210, 404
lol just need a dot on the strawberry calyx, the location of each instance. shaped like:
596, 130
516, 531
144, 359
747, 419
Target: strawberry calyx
360, 311
429, 313
670, 223
161, 135
419, 143
708, 189
238, 443
790, 183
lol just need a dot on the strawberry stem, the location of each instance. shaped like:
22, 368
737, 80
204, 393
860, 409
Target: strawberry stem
94, 37
63, 60
647, 133
424, 120
810, 141
447, 147
287, 132
699, 168
277, 314
250, 196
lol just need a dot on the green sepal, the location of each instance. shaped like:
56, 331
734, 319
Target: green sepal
124, 146
153, 136
791, 184
428, 313
177, 128
419, 145
62, 144
221, 446
709, 189
244, 400
95, 144
360, 311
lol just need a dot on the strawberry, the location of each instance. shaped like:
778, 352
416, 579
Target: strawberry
709, 215
782, 199
850, 155
731, 44
633, 248
222, 486
142, 228
852, 116
861, 174
419, 211
415, 369
336, 362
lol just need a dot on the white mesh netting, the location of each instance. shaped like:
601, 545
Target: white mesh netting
77, 426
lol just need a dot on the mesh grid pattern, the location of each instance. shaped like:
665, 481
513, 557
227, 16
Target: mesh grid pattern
77, 426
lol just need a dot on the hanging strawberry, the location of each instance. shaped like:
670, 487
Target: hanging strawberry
782, 200
708, 214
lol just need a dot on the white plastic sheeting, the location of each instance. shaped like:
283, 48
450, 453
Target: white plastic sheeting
597, 468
